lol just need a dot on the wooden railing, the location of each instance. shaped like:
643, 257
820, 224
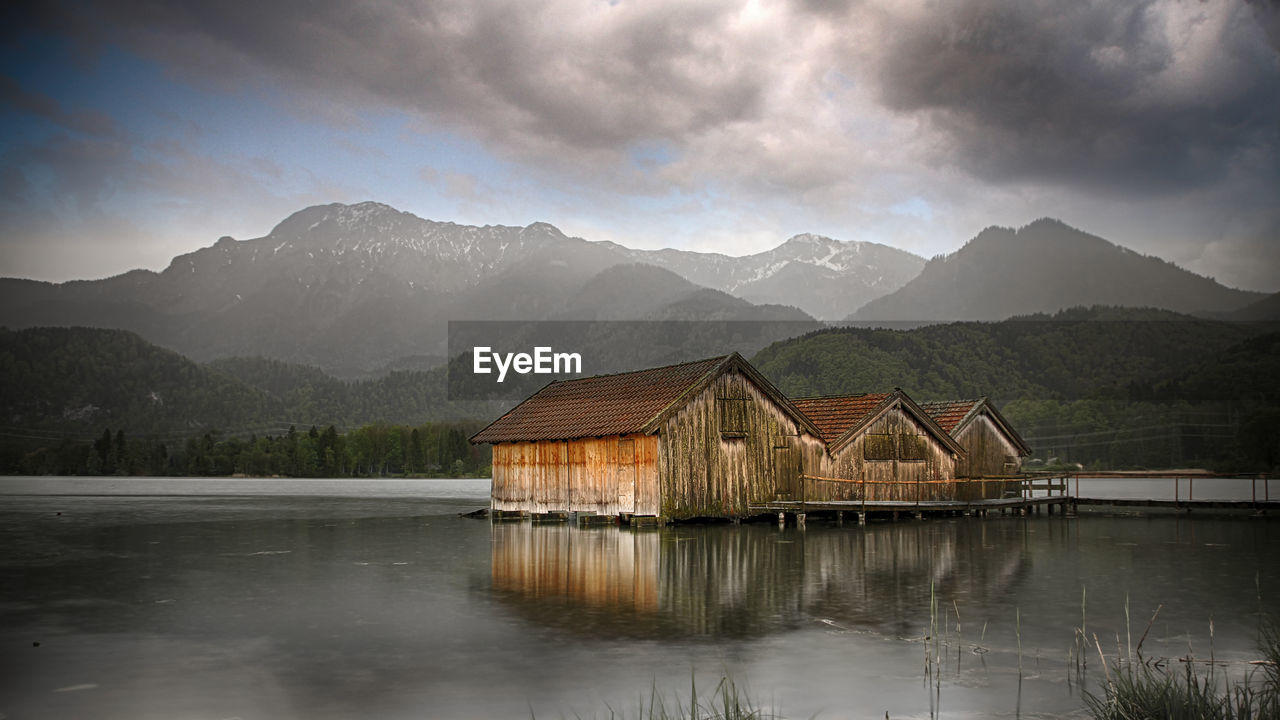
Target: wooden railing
1182, 480
1052, 484
1024, 485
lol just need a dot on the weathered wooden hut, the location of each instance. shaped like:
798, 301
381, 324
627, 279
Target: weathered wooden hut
992, 446
700, 439
878, 446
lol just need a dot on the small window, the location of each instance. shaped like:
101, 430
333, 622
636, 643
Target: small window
878, 447
1011, 464
912, 447
733, 417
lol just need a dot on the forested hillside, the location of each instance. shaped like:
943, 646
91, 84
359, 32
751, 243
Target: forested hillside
90, 401
1067, 355
79, 380
1103, 387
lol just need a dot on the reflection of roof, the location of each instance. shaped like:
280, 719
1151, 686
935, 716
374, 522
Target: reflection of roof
949, 413
600, 405
837, 413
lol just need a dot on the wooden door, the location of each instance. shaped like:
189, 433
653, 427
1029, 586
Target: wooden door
786, 473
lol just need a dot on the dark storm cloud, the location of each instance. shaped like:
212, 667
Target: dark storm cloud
1268, 14
1146, 97
538, 77
757, 117
1131, 97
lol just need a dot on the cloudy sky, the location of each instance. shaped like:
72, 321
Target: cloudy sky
136, 130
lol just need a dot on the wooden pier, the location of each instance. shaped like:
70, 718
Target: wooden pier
1026, 494
1057, 489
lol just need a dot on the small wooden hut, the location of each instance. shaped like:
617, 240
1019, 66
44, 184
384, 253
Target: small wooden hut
879, 446
700, 439
992, 446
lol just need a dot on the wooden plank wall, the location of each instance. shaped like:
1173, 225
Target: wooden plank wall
578, 475
707, 473
892, 479
991, 452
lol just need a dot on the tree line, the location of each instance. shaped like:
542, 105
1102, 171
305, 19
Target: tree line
375, 450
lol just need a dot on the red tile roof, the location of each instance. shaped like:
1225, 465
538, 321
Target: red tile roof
597, 406
837, 413
949, 413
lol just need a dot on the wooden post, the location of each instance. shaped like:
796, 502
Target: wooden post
840, 518
800, 520
782, 520
862, 518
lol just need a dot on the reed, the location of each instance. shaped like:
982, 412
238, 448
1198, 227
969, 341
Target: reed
1017, 628
727, 702
1143, 689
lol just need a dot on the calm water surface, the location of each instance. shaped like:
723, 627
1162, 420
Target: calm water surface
172, 598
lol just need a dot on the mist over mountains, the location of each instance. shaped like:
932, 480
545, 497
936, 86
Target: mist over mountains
361, 289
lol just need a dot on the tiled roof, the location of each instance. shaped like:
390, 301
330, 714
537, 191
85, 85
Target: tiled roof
596, 406
833, 415
949, 413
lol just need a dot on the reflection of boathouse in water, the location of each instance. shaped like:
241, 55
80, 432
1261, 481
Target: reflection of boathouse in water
714, 438
749, 580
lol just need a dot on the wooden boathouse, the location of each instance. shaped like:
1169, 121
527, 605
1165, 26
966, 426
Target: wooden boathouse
992, 446
878, 447
710, 438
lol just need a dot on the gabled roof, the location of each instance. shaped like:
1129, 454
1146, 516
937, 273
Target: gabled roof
834, 414
950, 413
954, 415
841, 418
621, 404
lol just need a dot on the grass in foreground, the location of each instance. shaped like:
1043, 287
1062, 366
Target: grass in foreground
726, 702
1141, 690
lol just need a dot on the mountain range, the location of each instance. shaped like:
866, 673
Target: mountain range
362, 289
1042, 268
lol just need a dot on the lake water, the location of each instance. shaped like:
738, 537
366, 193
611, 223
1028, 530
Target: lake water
196, 598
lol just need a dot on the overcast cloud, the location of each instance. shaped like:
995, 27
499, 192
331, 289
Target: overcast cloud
711, 125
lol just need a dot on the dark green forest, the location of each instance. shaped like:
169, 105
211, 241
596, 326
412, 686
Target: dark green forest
77, 401
1104, 388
